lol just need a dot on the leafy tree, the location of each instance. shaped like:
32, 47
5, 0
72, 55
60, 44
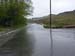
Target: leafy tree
14, 12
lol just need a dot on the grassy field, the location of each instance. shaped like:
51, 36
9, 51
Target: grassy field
60, 20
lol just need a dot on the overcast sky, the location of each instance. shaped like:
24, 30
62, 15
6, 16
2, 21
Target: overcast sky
41, 8
59, 6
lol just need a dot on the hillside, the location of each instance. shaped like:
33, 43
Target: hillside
42, 20
61, 20
64, 19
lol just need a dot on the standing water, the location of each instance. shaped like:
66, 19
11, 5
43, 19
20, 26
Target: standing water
34, 40
42, 40
31, 41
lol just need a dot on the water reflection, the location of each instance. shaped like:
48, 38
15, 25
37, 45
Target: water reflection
42, 43
63, 42
33, 42
20, 45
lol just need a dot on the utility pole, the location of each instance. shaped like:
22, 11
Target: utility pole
51, 32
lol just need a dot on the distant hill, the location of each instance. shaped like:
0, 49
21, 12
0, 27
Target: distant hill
64, 19
42, 20
60, 20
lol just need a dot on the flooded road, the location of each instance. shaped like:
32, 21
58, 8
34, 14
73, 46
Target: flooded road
34, 40
42, 40
31, 41
63, 42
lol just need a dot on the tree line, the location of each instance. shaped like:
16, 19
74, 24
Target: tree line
13, 13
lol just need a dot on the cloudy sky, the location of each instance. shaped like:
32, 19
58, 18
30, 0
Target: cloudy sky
41, 8
59, 6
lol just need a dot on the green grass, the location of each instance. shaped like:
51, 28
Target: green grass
2, 29
60, 20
